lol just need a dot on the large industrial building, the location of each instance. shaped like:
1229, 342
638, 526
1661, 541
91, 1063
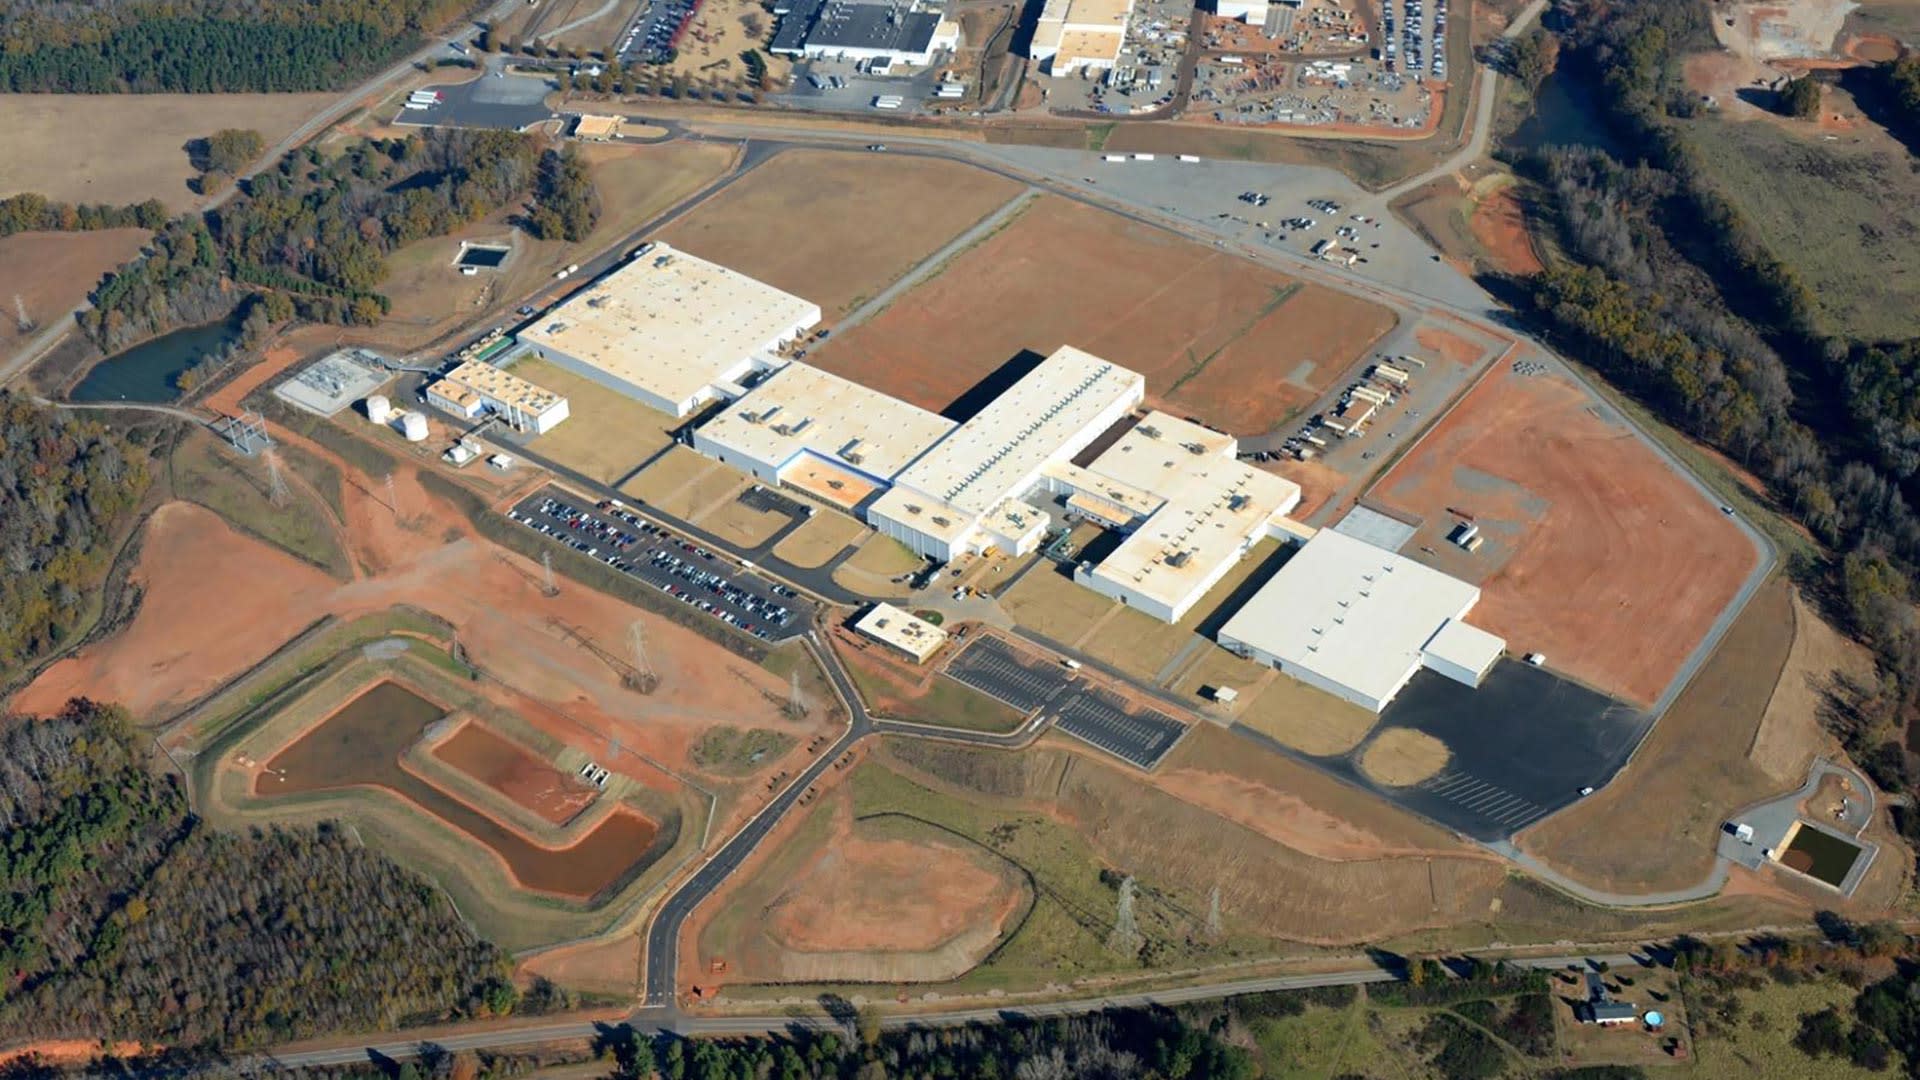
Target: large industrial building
1075, 34
1189, 507
672, 330
476, 388
1357, 621
967, 494
902, 33
813, 430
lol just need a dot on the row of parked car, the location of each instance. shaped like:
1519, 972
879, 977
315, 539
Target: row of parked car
633, 545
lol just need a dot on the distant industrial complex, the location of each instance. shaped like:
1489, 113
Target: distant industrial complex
903, 33
1070, 436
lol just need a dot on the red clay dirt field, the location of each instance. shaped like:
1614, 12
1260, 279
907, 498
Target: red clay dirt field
1596, 552
508, 768
1234, 343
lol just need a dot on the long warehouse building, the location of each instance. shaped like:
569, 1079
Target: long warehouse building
673, 330
1358, 621
965, 495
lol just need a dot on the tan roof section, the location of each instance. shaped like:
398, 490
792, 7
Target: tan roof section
502, 386
598, 127
1089, 45
801, 407
672, 323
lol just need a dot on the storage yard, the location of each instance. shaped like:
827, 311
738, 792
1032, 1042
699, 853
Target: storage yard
1596, 553
767, 223
1168, 308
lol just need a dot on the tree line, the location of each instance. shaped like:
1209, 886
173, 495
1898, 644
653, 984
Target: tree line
66, 488
309, 238
29, 212
1672, 294
122, 916
206, 46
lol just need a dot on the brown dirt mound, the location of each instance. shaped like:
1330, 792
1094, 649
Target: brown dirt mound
1399, 757
1501, 227
861, 895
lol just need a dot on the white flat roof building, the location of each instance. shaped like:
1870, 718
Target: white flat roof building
475, 388
1206, 510
672, 329
1071, 34
938, 504
908, 634
1251, 12
1357, 621
801, 412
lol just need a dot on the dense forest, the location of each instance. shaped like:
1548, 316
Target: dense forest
309, 238
123, 916
1675, 298
206, 46
66, 485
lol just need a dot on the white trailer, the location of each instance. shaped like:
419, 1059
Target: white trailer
1392, 374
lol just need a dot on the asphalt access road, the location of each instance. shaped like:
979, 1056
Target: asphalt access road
663, 936
1101, 719
647, 556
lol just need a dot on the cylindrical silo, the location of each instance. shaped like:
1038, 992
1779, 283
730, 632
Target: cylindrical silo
379, 409
414, 426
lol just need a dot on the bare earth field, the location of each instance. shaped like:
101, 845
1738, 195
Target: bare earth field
1597, 554
1241, 346
52, 273
123, 148
1655, 825
768, 223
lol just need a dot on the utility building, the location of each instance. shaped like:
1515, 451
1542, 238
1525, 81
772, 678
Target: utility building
895, 33
476, 388
673, 330
1358, 621
909, 635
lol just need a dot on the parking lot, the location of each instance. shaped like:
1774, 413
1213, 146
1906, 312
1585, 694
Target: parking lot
1524, 744
697, 577
1101, 719
654, 31
846, 86
1097, 717
495, 100
997, 670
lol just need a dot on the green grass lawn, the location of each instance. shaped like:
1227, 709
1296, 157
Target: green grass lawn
238, 488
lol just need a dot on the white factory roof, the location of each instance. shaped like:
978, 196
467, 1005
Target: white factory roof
801, 407
671, 323
1213, 505
1468, 646
1006, 443
482, 378
1353, 613
909, 633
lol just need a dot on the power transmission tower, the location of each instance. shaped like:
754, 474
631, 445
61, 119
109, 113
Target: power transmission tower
276, 483
546, 563
393, 500
1213, 913
21, 319
796, 708
1125, 938
645, 679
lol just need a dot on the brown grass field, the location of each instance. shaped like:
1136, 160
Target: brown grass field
1241, 346
1597, 553
767, 224
824, 536
1398, 757
52, 273
1655, 825
123, 148
514, 771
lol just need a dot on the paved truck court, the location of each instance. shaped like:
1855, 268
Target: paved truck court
999, 671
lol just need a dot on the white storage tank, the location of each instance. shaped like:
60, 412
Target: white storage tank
379, 409
414, 426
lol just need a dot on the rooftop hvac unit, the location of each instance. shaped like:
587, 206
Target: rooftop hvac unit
912, 509
1149, 431
1194, 448
940, 521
